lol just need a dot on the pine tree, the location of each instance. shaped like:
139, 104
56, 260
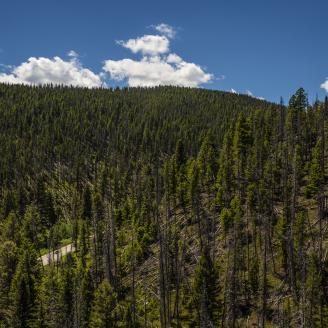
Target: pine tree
23, 291
315, 174
49, 309
103, 307
68, 293
87, 204
85, 298
206, 292
8, 265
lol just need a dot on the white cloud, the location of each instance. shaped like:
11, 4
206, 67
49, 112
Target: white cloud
165, 29
10, 78
56, 71
233, 91
173, 59
324, 85
153, 71
157, 66
147, 44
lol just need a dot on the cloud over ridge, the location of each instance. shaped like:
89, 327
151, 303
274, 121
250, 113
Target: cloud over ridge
153, 71
158, 66
55, 70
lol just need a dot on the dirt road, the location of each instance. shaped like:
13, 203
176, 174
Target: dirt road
57, 254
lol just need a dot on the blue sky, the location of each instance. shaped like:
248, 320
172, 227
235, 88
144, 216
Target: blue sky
269, 48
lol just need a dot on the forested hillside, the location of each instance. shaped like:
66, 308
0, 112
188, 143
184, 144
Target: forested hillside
183, 208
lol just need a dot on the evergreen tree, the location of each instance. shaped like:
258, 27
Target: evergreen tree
87, 204
315, 172
23, 289
206, 292
103, 307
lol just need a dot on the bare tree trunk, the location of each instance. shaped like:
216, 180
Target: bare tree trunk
133, 281
291, 264
264, 278
162, 264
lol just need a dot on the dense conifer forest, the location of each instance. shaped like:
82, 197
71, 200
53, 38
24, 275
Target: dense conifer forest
182, 207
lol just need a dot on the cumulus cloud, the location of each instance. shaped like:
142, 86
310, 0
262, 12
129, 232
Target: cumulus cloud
173, 59
324, 85
158, 66
147, 44
165, 29
10, 78
56, 71
153, 71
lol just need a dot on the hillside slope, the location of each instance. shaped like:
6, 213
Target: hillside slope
186, 208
